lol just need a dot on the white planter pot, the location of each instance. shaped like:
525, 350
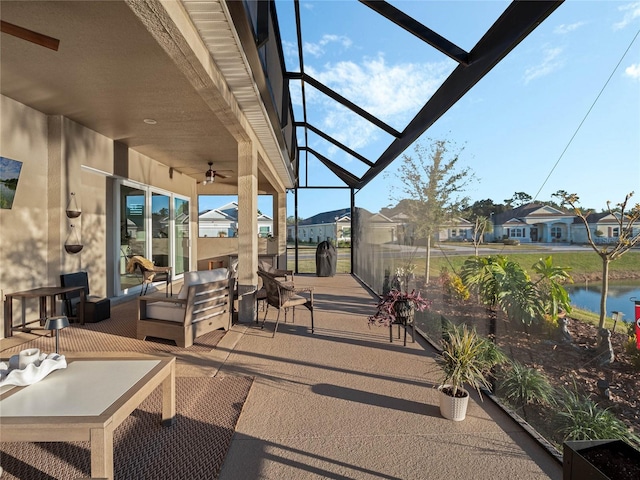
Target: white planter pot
453, 408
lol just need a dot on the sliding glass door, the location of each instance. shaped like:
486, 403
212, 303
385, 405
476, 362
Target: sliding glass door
181, 218
154, 225
160, 220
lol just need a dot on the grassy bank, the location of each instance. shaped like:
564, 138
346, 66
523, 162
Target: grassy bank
584, 265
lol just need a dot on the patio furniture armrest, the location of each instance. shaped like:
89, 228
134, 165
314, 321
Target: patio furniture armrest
278, 272
154, 298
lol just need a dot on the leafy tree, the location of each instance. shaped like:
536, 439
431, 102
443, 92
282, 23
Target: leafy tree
483, 208
481, 226
518, 199
628, 237
432, 182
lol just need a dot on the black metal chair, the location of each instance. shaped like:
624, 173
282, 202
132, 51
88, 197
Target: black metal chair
261, 293
283, 295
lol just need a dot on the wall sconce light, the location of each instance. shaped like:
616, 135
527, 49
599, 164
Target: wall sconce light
55, 324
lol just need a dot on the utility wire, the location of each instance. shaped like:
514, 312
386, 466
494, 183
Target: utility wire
586, 115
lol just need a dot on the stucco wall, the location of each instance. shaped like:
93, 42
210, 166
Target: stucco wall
24, 253
59, 157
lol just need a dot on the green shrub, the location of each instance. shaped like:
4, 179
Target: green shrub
452, 285
521, 385
580, 418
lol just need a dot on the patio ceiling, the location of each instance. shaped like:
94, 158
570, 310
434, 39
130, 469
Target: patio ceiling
115, 67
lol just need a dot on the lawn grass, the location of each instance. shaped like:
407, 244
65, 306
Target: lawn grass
582, 264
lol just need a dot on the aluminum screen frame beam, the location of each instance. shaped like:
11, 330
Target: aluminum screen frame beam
518, 20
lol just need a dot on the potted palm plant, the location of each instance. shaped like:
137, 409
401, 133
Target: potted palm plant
466, 358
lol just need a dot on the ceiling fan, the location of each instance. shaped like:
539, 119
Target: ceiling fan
211, 174
29, 35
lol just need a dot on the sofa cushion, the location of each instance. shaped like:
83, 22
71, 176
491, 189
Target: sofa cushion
201, 276
173, 312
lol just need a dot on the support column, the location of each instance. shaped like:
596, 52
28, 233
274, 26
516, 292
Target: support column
280, 226
247, 231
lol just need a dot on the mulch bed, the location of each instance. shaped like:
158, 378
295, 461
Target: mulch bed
571, 365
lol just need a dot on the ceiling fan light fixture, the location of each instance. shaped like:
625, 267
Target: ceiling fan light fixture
210, 175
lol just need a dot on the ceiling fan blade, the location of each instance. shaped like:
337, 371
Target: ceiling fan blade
29, 35
216, 174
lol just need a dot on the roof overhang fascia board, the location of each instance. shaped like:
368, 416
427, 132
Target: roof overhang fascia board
231, 57
518, 20
416, 28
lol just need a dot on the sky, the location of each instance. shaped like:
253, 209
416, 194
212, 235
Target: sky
560, 112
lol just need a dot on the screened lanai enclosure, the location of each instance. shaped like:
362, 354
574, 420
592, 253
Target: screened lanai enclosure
283, 25
229, 98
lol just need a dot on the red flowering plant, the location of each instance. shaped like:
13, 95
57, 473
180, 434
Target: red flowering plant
392, 304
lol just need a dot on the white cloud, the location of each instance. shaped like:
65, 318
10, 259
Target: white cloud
550, 63
393, 93
633, 71
317, 49
564, 29
631, 13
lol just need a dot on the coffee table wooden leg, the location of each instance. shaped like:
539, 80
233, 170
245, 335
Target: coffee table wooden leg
101, 453
169, 398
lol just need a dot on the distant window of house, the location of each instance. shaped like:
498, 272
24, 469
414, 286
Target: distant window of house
516, 232
616, 232
212, 224
265, 231
556, 232
453, 232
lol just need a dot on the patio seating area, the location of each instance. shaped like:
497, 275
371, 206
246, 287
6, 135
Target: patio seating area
342, 402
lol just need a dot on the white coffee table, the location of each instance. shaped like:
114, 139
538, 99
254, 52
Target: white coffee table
87, 401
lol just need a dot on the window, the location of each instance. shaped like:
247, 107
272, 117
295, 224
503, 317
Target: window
264, 231
453, 232
556, 232
616, 232
515, 232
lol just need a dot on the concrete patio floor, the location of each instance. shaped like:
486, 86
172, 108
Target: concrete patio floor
346, 403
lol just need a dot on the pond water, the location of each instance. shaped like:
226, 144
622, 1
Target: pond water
619, 297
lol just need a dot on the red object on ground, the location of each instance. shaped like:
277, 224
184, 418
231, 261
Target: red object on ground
638, 324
